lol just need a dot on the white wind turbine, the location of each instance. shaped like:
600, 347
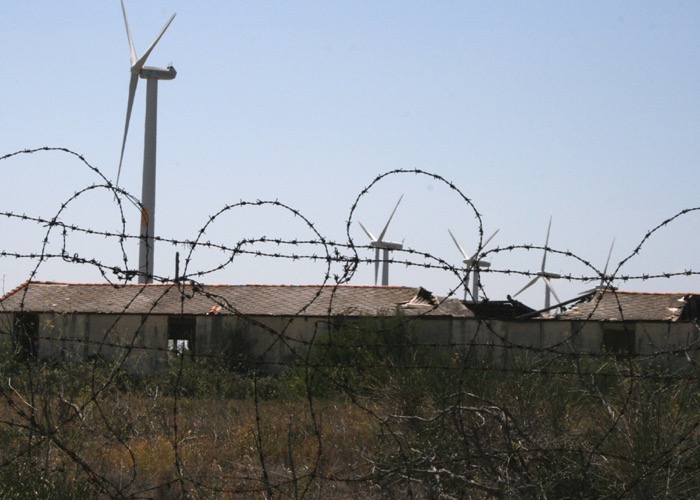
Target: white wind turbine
473, 264
380, 244
148, 189
544, 276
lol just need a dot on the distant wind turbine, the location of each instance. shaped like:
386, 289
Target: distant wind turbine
380, 244
544, 275
148, 189
473, 264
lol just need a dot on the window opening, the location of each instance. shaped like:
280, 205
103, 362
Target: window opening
620, 340
181, 335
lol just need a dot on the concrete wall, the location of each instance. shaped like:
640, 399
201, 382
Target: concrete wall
671, 345
271, 343
139, 343
503, 343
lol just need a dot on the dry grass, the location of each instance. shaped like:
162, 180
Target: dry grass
518, 435
153, 444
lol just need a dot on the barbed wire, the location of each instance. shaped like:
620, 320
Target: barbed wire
356, 409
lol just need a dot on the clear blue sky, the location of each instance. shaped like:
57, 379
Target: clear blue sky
588, 112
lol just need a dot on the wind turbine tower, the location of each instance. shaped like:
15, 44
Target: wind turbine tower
474, 264
379, 244
148, 189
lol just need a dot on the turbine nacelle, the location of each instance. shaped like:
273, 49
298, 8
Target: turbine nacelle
388, 245
481, 264
153, 73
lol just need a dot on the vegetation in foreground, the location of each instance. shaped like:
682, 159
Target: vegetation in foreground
370, 414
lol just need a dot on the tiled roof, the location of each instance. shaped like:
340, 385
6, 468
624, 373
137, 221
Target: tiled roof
256, 300
615, 305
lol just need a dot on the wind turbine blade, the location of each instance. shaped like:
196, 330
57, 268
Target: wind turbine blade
489, 239
605, 269
529, 284
376, 266
381, 235
464, 254
128, 35
132, 92
479, 250
549, 286
371, 236
136, 67
546, 245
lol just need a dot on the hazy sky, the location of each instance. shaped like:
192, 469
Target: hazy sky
588, 112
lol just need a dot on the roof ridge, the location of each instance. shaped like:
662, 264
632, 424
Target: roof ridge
16, 289
215, 285
636, 292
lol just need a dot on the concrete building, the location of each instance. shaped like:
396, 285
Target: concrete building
274, 326
143, 324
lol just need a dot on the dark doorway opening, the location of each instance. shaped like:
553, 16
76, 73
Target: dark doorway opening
181, 334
